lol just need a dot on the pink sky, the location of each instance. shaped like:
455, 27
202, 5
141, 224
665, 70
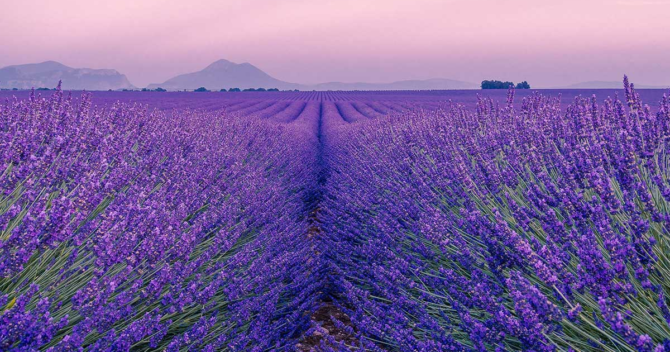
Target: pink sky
548, 43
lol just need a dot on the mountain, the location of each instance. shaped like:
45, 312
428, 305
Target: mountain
47, 74
608, 85
226, 74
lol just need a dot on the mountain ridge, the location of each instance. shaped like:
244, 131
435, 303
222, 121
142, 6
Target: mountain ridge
224, 74
47, 74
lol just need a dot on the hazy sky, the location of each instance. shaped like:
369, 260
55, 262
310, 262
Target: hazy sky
548, 43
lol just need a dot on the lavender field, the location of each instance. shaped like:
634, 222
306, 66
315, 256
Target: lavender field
335, 221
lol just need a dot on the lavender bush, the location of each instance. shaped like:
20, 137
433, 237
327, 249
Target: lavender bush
433, 222
504, 229
124, 229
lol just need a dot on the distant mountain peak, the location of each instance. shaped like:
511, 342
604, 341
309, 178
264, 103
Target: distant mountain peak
47, 74
227, 74
221, 64
41, 67
51, 62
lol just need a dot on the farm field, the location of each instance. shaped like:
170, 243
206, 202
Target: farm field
217, 100
335, 221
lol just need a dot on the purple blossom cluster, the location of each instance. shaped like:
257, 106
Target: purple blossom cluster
125, 229
503, 227
431, 221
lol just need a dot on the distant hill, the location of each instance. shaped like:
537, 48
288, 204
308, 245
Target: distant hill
47, 74
226, 74
608, 85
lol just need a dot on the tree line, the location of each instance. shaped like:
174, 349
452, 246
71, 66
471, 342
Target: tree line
203, 89
494, 84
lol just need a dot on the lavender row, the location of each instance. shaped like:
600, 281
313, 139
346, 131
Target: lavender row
127, 229
213, 101
499, 228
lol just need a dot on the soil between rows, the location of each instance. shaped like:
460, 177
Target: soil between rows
323, 327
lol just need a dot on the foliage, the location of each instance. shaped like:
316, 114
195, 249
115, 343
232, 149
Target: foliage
224, 221
497, 84
502, 228
125, 229
523, 85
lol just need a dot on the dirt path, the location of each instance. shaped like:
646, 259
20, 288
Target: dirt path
325, 329
328, 329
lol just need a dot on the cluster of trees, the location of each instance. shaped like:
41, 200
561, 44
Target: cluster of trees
203, 89
523, 85
504, 85
40, 88
159, 89
261, 90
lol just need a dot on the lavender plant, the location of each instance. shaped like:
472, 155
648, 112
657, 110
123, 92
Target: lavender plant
504, 228
224, 221
124, 229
